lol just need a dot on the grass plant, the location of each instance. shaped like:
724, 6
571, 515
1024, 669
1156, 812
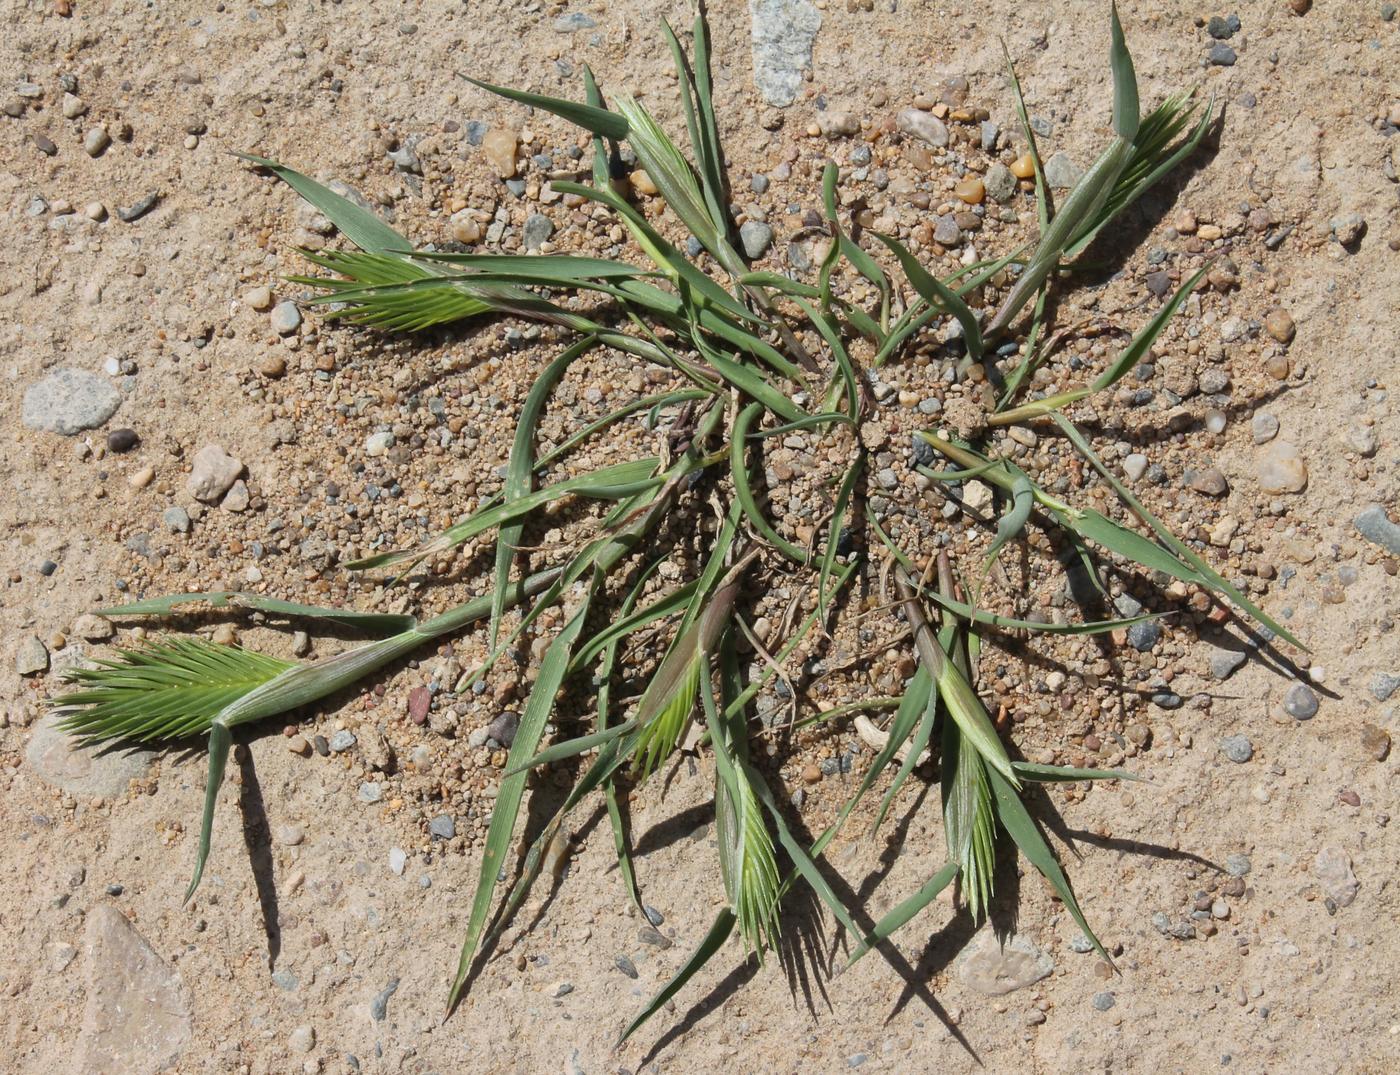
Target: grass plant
747, 346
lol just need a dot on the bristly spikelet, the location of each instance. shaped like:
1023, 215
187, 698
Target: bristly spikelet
163, 691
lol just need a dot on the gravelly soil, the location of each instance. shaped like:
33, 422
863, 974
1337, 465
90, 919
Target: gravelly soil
302, 922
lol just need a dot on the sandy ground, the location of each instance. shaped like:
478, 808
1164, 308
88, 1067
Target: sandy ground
286, 958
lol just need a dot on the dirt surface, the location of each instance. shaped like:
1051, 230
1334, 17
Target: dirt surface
1248, 895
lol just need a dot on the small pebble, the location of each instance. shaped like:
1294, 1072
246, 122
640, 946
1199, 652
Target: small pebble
1264, 427
285, 318
342, 741
755, 237
1237, 748
1300, 702
626, 966
1278, 323
1103, 1001
122, 440
96, 141
922, 125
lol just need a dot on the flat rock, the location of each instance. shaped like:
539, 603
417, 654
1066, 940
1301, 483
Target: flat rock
1374, 525
1332, 868
1282, 469
68, 401
782, 32
924, 126
213, 473
137, 1020
83, 771
1000, 183
31, 656
1225, 662
1062, 173
989, 967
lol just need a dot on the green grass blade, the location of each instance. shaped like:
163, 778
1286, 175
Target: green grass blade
615, 482
1205, 574
512, 788
602, 172
712, 942
1049, 774
906, 910
743, 491
1042, 188
1140, 344
360, 226
1126, 113
220, 743
371, 622
833, 534
918, 743
597, 120
934, 292
1082, 204
520, 473
1017, 821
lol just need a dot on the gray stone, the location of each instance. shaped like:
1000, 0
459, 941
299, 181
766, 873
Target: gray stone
137, 1019
286, 980
1081, 944
377, 444
443, 827
1384, 685
503, 728
989, 967
1143, 636
177, 519
212, 474
1135, 466
924, 126
1332, 868
1264, 426
782, 33
1103, 1001
1237, 748
755, 237
379, 1006
1238, 865
573, 22
1000, 183
1281, 469
1062, 173
1226, 662
538, 228
68, 401
31, 656
1375, 526
86, 772
1221, 55
302, 1039
398, 859
370, 792
342, 740
285, 318
1300, 702
946, 231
